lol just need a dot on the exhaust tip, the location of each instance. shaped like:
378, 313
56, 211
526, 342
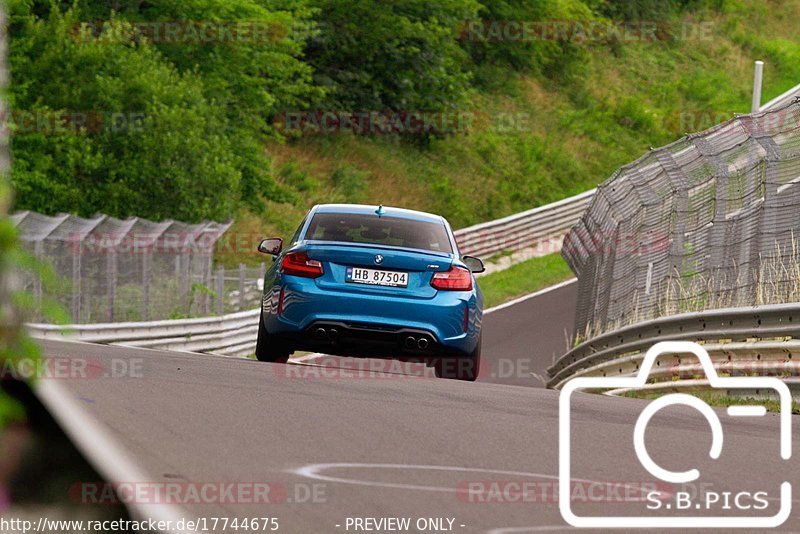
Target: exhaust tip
422, 344
320, 333
333, 334
411, 342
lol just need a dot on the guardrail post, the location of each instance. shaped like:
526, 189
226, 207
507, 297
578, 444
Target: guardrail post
242, 274
220, 291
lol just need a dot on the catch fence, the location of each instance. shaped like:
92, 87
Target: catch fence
710, 221
112, 270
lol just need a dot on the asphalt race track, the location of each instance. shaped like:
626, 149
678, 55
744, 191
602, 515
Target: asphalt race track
523, 340
334, 444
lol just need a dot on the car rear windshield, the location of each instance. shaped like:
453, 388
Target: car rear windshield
371, 229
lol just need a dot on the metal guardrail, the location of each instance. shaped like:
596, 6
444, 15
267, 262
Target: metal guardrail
759, 358
542, 226
761, 340
228, 335
782, 99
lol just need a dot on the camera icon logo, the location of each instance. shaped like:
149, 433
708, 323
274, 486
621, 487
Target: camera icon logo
638, 381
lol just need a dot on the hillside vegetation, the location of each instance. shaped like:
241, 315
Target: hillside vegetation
115, 114
541, 137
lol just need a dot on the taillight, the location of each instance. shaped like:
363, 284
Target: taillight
456, 279
299, 264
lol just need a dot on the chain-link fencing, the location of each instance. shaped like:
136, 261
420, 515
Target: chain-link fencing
113, 270
710, 221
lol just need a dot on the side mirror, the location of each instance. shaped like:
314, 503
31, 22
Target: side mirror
473, 264
271, 246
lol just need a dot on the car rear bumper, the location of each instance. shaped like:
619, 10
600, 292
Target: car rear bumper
355, 339
363, 323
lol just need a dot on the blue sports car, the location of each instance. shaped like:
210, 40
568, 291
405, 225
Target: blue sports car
373, 281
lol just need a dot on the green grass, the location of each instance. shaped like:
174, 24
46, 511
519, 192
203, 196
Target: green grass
523, 278
721, 400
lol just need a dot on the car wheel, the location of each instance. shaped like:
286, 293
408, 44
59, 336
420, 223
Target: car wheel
465, 367
270, 349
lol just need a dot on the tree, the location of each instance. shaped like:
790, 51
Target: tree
497, 41
401, 55
122, 117
248, 54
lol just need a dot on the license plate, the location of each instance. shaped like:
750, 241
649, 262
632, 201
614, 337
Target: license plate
376, 277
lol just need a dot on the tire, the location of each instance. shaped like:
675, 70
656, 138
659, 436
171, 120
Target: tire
466, 367
270, 349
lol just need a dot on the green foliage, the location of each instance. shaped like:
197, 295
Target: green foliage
14, 343
293, 176
660, 10
200, 114
350, 183
572, 126
11, 411
640, 9
400, 55
18, 305
156, 129
515, 49
152, 146
250, 79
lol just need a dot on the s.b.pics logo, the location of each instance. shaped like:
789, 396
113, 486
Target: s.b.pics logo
743, 489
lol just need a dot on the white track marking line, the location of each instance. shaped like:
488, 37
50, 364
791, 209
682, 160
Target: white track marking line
309, 357
747, 411
94, 441
313, 471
